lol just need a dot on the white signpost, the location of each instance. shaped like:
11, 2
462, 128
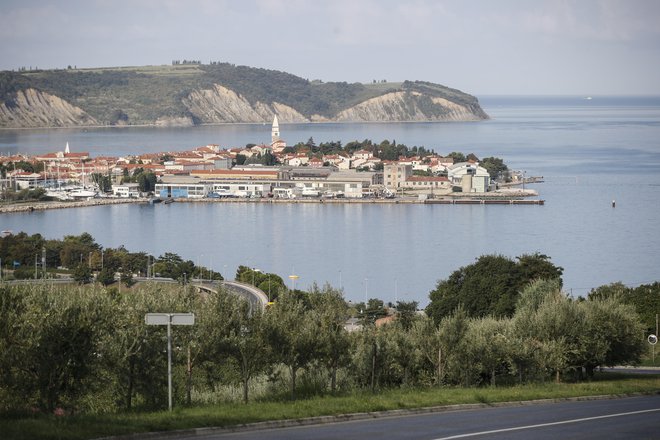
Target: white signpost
169, 319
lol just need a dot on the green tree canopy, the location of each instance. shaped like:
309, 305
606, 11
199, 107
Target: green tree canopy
490, 286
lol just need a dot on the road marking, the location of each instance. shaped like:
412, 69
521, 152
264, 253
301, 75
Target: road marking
518, 428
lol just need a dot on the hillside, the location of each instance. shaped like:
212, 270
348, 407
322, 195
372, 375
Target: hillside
188, 94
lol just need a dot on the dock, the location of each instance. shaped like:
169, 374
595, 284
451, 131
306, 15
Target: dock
483, 202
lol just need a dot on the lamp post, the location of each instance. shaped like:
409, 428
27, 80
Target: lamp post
293, 279
169, 319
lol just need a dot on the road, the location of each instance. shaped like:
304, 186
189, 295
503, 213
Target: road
626, 418
255, 296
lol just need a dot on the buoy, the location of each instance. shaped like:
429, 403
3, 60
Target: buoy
613, 203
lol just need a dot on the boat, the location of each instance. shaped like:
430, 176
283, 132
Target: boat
82, 193
58, 194
168, 201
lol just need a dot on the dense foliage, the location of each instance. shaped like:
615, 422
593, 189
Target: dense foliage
645, 298
89, 349
490, 286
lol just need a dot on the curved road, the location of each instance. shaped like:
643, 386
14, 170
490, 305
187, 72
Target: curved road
625, 418
255, 296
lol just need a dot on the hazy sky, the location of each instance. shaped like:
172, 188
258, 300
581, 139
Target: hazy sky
583, 47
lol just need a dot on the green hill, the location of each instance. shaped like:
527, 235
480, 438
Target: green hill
196, 93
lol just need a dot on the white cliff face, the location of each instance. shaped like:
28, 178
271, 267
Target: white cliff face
405, 106
32, 108
221, 104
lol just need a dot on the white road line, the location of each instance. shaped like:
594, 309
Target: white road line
518, 428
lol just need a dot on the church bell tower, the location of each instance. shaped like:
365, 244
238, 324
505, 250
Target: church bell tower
275, 132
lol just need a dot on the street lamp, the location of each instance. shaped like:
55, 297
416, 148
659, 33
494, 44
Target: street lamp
169, 319
293, 279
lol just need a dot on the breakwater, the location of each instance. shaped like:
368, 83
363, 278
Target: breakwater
41, 206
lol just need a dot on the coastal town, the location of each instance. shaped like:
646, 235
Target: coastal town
213, 173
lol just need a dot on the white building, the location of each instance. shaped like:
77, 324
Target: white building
126, 190
469, 176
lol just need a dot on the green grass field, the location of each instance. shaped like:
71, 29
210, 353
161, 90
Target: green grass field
94, 426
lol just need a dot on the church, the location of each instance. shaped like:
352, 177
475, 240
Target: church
276, 143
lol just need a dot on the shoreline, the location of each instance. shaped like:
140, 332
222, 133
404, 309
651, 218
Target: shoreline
212, 124
455, 199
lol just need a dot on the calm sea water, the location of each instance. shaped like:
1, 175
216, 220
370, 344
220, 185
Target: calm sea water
590, 152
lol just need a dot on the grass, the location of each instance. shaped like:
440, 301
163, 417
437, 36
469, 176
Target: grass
650, 361
94, 426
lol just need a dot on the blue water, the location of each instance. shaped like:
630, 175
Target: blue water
590, 152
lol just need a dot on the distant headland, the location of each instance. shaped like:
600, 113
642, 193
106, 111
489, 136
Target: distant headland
188, 93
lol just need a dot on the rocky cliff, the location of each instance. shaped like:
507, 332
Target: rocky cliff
409, 106
221, 104
32, 108
217, 93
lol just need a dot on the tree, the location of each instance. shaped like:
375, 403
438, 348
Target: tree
406, 312
146, 181
332, 313
106, 276
51, 355
496, 168
374, 310
246, 341
645, 298
293, 334
490, 286
488, 346
427, 337
452, 352
82, 274
614, 327
458, 157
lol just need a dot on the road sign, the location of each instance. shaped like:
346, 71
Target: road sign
169, 319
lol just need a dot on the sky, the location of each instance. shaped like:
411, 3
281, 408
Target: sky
489, 47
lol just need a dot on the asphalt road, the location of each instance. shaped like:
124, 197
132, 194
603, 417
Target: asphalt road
626, 418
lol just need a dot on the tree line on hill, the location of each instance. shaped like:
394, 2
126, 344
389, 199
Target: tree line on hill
88, 349
135, 95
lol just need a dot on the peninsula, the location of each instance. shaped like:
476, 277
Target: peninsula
330, 171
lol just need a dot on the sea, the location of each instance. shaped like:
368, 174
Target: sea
599, 160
